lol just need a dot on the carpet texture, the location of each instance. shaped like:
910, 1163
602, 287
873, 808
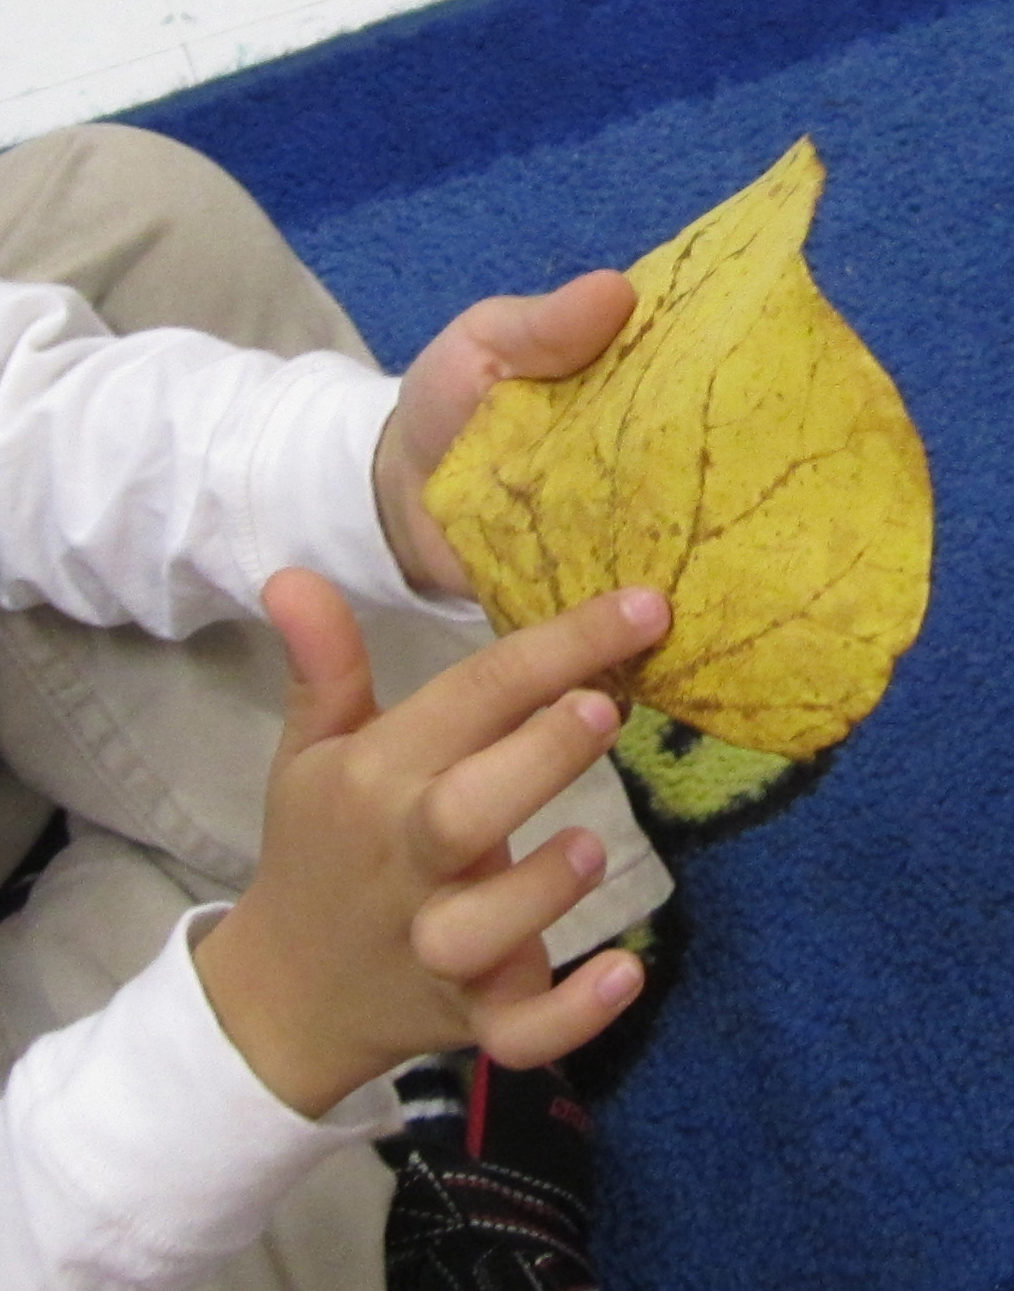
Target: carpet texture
827, 1100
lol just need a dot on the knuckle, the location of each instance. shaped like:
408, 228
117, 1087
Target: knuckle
429, 941
541, 661
601, 637
488, 1034
442, 825
592, 638
493, 675
502, 1045
359, 771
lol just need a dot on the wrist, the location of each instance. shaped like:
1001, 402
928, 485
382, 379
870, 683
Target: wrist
427, 561
392, 491
262, 1001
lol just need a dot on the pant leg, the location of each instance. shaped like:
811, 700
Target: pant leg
155, 234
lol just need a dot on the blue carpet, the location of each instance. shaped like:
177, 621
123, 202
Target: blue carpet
829, 1099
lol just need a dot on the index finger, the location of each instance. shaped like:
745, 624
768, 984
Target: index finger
490, 693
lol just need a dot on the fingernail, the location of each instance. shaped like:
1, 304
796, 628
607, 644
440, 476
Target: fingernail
586, 856
620, 984
598, 712
644, 608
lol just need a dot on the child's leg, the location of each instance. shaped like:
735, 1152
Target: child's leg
155, 234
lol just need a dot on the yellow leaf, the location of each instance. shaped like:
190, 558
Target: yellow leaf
740, 449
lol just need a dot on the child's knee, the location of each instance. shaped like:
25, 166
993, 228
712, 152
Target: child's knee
128, 161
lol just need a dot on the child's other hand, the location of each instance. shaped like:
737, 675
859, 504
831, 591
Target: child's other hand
385, 919
506, 336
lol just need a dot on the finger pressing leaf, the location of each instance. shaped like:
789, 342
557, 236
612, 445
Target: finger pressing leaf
739, 448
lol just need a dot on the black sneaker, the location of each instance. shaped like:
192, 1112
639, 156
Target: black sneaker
504, 1207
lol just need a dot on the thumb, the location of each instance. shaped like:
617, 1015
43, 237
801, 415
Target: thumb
331, 687
552, 335
547, 336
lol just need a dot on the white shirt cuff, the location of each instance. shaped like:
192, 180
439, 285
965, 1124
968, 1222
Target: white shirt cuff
310, 492
146, 1124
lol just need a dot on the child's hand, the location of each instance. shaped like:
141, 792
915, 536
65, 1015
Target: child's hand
385, 919
538, 336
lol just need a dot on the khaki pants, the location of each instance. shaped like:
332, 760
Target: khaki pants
160, 751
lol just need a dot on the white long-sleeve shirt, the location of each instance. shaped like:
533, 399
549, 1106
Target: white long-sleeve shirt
148, 1100
160, 478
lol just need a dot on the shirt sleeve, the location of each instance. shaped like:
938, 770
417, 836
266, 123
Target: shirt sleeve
137, 1149
161, 477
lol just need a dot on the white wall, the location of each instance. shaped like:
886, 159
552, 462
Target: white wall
64, 61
